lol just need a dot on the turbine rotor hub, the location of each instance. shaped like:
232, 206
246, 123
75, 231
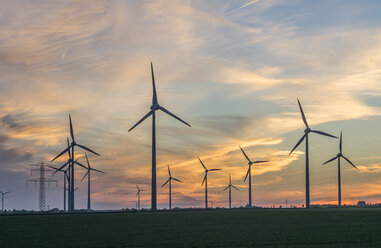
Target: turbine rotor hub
307, 130
155, 106
339, 154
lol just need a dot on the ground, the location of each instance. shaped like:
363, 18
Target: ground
213, 228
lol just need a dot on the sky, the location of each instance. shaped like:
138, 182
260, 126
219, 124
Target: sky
232, 69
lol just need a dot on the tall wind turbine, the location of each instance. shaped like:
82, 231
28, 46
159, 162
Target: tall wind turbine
170, 186
338, 156
73, 161
89, 169
249, 173
138, 195
155, 106
2, 199
305, 136
230, 191
206, 181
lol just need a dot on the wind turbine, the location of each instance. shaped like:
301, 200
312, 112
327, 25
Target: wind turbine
305, 136
71, 164
66, 178
2, 199
155, 106
138, 195
249, 173
338, 156
170, 186
206, 181
230, 191
88, 181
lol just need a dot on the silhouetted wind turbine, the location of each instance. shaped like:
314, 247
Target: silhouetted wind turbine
338, 156
170, 186
2, 199
66, 177
230, 191
249, 173
138, 195
305, 136
72, 146
206, 181
89, 169
155, 106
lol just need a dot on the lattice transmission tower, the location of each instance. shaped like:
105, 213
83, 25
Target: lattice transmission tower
42, 180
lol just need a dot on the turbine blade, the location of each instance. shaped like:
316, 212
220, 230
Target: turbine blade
177, 180
341, 142
226, 188
84, 176
215, 169
141, 120
71, 129
68, 147
87, 159
247, 174
230, 179
174, 116
60, 169
202, 163
259, 161
297, 144
137, 187
245, 154
165, 182
59, 155
169, 171
236, 188
302, 113
154, 96
78, 163
204, 179
98, 170
323, 133
87, 149
332, 159
350, 162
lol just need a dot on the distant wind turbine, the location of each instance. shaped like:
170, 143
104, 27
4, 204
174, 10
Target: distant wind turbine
89, 169
305, 136
249, 173
338, 156
2, 199
170, 186
206, 181
155, 106
138, 195
66, 178
230, 191
71, 164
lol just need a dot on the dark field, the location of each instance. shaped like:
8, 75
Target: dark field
223, 228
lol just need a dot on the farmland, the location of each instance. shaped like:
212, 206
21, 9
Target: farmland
349, 227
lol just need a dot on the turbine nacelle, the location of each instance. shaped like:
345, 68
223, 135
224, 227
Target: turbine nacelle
307, 130
339, 155
155, 107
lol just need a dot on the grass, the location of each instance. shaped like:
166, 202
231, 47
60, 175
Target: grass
223, 228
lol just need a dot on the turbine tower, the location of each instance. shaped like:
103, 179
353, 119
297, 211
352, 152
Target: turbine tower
338, 156
71, 164
249, 173
155, 106
230, 191
170, 186
206, 181
89, 169
305, 136
2, 199
138, 195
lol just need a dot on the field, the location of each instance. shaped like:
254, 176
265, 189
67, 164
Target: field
212, 228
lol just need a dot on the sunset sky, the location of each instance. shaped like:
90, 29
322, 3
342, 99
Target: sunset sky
233, 69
